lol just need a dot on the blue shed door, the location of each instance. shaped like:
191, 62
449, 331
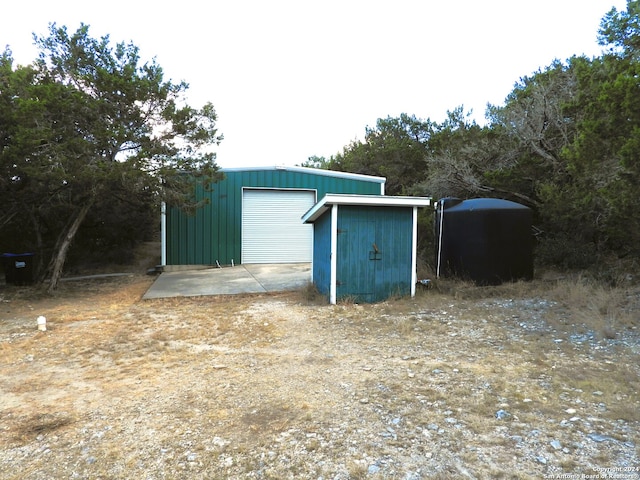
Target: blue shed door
355, 273
374, 253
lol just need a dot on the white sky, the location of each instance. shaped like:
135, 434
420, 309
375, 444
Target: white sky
291, 79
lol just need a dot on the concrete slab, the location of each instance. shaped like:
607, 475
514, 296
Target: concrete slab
251, 278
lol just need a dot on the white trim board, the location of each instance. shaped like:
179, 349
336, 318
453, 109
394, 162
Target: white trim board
362, 200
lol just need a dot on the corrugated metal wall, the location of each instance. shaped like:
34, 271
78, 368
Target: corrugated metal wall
214, 232
374, 252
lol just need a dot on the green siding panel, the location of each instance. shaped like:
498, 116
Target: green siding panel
214, 232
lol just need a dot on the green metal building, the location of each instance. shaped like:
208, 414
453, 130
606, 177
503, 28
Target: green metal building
254, 216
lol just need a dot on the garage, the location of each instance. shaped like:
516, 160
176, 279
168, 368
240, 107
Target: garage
271, 228
253, 215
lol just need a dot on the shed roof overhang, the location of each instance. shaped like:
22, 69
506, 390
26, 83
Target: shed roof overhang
331, 199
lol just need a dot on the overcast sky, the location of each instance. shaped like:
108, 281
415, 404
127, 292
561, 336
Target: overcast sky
292, 79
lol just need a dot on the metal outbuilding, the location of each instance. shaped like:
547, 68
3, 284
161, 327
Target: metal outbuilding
253, 216
365, 246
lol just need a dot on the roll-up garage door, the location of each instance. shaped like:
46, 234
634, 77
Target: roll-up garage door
272, 229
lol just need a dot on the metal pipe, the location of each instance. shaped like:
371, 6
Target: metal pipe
441, 202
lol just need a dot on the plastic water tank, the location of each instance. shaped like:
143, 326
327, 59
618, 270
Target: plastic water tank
486, 240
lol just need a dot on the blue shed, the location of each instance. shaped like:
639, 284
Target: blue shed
365, 246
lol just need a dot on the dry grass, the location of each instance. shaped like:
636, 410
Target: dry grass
39, 424
282, 383
600, 308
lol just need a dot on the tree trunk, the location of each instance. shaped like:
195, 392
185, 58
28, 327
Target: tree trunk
60, 256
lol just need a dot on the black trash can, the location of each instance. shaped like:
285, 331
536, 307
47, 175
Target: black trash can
19, 268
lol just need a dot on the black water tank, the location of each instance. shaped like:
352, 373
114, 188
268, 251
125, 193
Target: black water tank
486, 240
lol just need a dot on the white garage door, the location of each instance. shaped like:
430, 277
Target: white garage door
272, 229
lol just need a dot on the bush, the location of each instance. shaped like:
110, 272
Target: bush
565, 253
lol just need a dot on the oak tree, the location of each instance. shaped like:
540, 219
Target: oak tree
107, 124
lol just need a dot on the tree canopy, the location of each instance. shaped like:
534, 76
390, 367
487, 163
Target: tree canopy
566, 142
92, 137
89, 124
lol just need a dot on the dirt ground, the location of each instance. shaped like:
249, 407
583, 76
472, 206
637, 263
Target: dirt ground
520, 381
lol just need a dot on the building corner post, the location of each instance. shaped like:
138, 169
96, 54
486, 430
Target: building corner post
333, 285
414, 252
163, 234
